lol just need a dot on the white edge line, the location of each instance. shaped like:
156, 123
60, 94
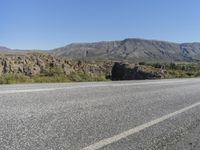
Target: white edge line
87, 86
139, 128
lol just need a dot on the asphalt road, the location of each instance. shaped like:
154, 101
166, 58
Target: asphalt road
128, 115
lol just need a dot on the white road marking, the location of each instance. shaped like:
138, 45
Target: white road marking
139, 128
25, 91
89, 86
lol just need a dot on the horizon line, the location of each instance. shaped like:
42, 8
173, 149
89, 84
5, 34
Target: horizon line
99, 41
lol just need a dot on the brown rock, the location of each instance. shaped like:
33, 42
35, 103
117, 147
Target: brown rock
125, 71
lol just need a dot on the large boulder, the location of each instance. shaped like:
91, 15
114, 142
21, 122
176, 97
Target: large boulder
125, 71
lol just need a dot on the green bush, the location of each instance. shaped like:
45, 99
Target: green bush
14, 78
142, 63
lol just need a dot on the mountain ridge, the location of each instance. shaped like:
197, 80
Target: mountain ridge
132, 49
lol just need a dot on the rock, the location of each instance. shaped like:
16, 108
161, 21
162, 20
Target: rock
37, 70
1, 69
27, 71
33, 64
67, 69
125, 71
6, 66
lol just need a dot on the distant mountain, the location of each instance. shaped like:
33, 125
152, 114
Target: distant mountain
4, 49
129, 49
132, 49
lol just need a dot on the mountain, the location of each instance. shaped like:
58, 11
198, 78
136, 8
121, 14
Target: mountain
132, 49
4, 49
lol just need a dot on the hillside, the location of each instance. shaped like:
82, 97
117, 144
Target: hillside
132, 50
4, 49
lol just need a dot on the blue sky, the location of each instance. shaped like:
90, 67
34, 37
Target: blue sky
46, 24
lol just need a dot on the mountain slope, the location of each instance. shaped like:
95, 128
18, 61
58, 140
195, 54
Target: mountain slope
132, 49
4, 49
128, 49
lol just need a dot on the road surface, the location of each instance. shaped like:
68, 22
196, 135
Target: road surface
125, 115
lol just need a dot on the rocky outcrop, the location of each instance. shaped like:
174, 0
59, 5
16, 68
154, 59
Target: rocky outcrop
125, 71
33, 64
36, 64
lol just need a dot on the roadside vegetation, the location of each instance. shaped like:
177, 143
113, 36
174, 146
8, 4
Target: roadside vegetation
53, 78
177, 70
55, 75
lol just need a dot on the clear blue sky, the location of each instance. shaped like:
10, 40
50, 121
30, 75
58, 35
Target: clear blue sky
46, 24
